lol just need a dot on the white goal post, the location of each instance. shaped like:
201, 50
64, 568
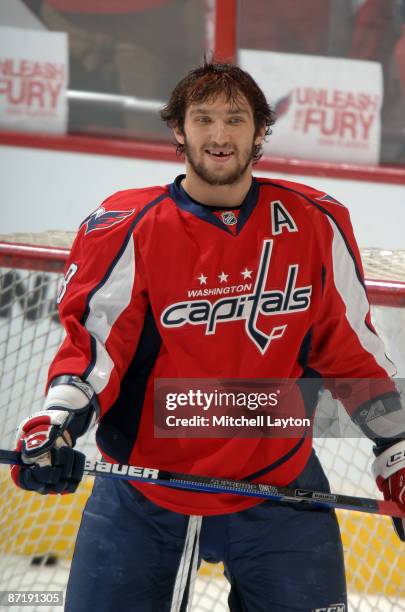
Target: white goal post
38, 532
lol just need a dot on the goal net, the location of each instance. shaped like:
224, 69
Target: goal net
38, 532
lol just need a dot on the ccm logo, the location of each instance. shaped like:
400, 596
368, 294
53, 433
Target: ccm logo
396, 458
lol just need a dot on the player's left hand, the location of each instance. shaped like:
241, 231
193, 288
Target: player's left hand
389, 472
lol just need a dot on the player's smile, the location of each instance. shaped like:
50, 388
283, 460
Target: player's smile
219, 155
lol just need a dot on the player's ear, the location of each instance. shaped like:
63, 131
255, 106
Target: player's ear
179, 135
260, 134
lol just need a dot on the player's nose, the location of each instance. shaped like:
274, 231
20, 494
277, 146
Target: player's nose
219, 133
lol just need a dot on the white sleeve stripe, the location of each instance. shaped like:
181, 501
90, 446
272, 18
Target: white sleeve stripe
102, 368
355, 299
105, 307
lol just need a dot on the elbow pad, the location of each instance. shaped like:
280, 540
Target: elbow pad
382, 419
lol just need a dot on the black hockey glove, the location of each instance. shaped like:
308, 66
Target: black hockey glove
46, 439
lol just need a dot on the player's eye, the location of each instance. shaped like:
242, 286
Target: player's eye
203, 119
235, 120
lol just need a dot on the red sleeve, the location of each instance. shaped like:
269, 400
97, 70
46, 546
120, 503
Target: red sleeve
103, 300
344, 341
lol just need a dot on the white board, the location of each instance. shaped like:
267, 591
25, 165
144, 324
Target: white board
33, 80
328, 108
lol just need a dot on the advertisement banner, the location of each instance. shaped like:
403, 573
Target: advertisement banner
328, 109
33, 80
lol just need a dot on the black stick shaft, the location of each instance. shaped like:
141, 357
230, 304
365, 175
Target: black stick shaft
209, 484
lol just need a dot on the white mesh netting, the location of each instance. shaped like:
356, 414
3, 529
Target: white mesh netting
38, 533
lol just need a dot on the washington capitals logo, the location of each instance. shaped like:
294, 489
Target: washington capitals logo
101, 219
246, 307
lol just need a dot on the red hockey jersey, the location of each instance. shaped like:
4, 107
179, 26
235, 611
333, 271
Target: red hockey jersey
160, 286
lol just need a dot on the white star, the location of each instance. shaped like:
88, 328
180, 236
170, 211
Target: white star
246, 273
223, 277
202, 279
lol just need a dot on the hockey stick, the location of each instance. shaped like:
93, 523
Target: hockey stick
207, 484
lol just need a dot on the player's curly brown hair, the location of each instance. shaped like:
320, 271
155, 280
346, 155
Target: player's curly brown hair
207, 82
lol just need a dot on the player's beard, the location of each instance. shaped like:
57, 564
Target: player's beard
201, 169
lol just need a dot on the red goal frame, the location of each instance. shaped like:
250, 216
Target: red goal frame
53, 259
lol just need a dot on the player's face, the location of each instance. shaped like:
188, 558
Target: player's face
219, 139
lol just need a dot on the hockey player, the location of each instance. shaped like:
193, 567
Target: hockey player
131, 316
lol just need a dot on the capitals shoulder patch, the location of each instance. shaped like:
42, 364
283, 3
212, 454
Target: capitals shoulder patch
101, 219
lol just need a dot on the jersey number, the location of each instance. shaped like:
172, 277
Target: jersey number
68, 277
